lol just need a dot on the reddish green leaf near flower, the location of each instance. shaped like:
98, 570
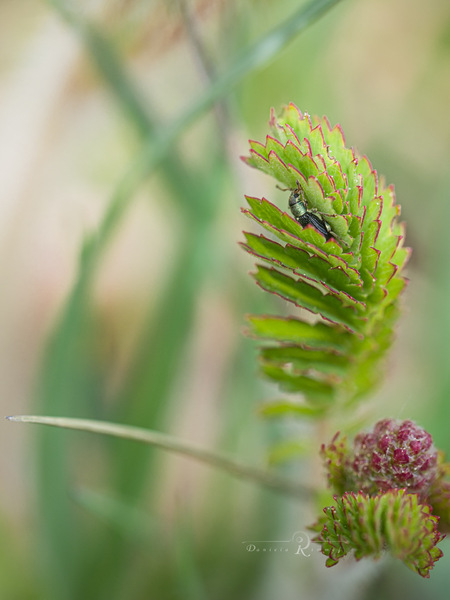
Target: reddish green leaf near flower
391, 495
394, 522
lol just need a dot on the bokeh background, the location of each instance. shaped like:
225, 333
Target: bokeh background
124, 290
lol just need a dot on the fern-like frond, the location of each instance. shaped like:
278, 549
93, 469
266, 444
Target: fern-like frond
349, 278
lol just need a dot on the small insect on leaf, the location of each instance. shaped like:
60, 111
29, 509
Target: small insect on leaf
305, 216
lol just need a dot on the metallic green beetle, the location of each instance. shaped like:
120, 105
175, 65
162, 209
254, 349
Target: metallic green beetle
304, 216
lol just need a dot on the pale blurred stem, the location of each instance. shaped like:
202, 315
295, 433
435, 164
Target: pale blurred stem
172, 444
205, 66
316, 468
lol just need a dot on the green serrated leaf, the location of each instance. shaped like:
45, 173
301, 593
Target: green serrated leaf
352, 280
306, 358
318, 335
283, 408
304, 295
265, 212
325, 269
301, 162
369, 179
310, 386
274, 253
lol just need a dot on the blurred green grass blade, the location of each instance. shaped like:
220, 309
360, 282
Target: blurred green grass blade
127, 520
189, 580
172, 444
145, 394
61, 383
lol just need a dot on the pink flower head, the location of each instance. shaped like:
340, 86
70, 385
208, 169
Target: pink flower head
396, 454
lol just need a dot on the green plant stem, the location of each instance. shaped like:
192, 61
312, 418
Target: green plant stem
172, 444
